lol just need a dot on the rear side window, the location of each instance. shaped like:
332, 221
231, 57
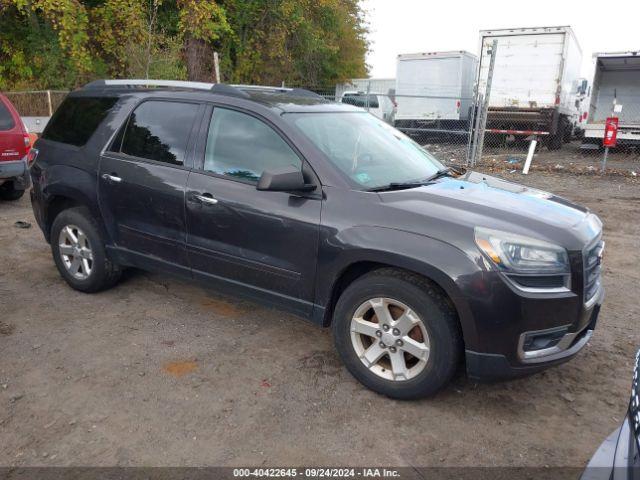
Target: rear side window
159, 131
6, 119
77, 118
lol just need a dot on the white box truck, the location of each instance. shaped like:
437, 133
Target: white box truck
535, 80
434, 91
615, 91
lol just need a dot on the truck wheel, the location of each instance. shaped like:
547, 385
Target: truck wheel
556, 141
568, 132
397, 334
9, 192
77, 245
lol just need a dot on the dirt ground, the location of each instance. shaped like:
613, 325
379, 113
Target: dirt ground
498, 156
160, 372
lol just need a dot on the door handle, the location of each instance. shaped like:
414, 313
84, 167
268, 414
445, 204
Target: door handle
208, 199
111, 178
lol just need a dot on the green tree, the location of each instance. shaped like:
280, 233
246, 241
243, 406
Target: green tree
64, 43
302, 42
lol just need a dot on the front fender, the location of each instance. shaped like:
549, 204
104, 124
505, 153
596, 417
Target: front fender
446, 265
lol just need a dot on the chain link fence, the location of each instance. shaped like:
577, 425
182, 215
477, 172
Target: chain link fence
36, 106
465, 130
36, 103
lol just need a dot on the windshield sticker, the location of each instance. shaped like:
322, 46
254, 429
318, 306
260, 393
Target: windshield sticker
363, 177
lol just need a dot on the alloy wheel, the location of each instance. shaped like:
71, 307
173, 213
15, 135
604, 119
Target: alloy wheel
75, 251
390, 339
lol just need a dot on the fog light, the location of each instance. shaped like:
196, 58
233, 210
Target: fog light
541, 340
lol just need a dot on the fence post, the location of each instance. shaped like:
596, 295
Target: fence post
368, 92
485, 107
476, 127
532, 149
216, 66
603, 168
49, 102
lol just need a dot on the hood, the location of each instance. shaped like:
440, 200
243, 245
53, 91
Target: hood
476, 199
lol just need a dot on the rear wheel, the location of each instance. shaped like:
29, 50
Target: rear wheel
78, 250
397, 334
9, 192
556, 141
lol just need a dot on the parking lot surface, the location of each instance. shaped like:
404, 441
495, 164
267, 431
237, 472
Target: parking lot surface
162, 372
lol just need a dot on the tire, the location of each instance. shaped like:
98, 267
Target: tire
8, 192
557, 140
101, 273
568, 132
438, 319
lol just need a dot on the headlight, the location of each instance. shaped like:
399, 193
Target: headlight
519, 254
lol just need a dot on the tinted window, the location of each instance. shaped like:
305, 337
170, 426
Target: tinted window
6, 120
360, 100
242, 146
77, 118
159, 131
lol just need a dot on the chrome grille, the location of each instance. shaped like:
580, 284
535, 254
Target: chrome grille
592, 269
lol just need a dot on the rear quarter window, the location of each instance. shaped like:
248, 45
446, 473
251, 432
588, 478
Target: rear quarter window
6, 119
77, 118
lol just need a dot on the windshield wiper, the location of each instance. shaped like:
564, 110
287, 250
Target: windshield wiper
396, 186
448, 171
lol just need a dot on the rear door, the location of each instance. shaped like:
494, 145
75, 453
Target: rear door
142, 181
13, 138
263, 243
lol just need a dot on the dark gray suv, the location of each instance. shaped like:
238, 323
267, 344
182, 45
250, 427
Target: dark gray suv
321, 209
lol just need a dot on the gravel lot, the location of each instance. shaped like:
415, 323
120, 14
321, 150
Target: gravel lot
160, 372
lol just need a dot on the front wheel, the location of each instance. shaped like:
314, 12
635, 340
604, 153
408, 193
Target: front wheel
397, 334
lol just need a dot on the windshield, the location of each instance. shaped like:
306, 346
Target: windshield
369, 151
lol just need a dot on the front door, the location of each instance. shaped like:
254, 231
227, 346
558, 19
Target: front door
142, 181
263, 243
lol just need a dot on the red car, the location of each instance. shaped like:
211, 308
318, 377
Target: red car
15, 146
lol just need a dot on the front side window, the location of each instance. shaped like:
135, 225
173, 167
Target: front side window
367, 150
241, 146
159, 131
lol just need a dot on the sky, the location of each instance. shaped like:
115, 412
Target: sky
410, 26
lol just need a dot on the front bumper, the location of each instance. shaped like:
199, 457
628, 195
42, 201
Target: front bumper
16, 171
484, 366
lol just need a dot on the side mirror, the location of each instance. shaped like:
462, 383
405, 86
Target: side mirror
284, 179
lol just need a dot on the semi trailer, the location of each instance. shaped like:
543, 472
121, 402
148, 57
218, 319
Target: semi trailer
534, 82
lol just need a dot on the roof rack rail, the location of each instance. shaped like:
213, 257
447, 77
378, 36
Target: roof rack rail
303, 92
296, 92
150, 83
219, 88
224, 89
